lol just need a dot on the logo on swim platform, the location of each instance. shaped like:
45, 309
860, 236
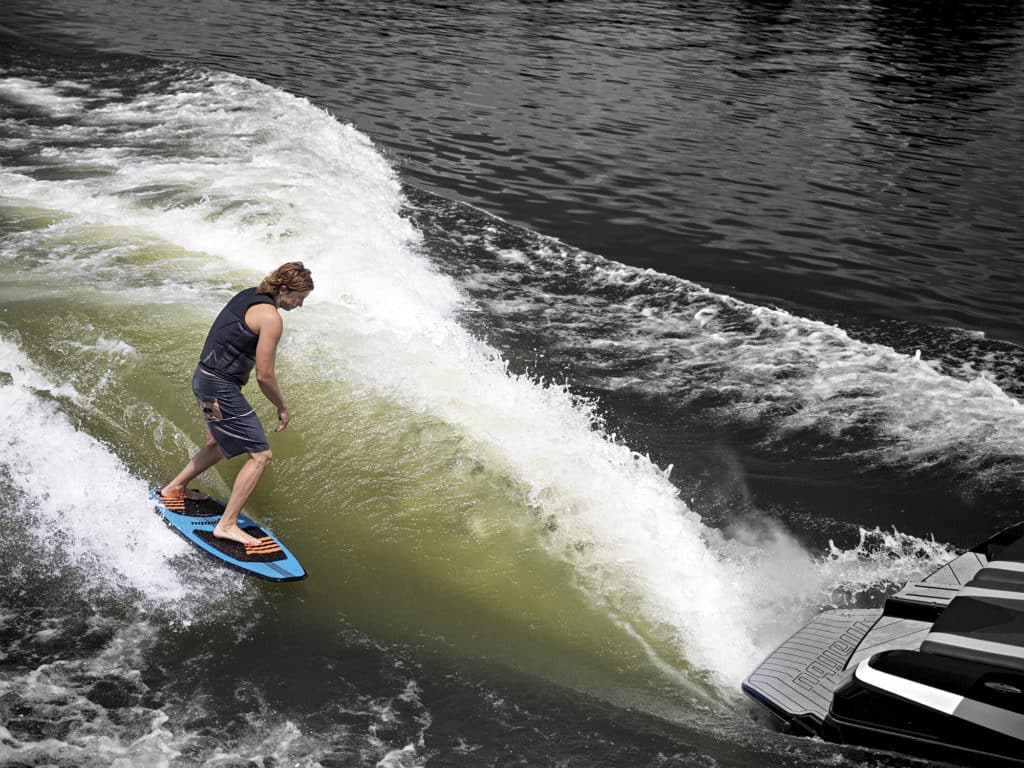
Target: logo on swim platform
833, 658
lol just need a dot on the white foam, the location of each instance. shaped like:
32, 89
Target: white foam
401, 758
57, 693
49, 99
114, 349
676, 340
86, 504
925, 414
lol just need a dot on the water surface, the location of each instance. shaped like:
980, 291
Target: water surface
639, 338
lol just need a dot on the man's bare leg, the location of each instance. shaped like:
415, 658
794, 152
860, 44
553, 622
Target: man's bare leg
205, 458
245, 484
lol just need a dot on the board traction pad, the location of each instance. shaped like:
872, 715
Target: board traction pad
236, 550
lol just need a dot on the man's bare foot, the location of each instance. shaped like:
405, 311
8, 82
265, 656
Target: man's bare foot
233, 533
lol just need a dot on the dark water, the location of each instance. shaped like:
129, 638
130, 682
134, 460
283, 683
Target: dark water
776, 246
860, 158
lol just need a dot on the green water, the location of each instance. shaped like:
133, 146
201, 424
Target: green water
409, 530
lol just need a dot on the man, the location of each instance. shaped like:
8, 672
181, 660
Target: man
245, 334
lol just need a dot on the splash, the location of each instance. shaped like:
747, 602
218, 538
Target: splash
782, 585
50, 100
881, 559
85, 508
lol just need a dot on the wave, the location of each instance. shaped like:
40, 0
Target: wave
626, 330
169, 192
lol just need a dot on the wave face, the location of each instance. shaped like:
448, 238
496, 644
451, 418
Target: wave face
469, 476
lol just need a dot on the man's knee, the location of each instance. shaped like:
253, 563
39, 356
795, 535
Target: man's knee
262, 458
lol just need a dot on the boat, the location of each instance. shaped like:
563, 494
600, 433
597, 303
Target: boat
937, 672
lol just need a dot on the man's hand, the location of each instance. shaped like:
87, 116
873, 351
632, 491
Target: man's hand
283, 417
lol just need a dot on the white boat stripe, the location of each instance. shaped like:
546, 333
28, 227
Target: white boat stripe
974, 644
1006, 565
977, 712
996, 594
926, 695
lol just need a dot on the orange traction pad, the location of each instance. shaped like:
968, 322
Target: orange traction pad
174, 502
262, 546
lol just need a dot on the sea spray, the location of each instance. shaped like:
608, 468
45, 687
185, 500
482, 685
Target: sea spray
77, 501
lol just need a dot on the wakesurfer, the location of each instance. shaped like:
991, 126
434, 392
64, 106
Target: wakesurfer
245, 335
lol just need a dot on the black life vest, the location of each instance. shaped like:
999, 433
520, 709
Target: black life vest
230, 348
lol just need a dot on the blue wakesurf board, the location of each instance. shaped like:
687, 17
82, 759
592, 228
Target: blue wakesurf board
196, 523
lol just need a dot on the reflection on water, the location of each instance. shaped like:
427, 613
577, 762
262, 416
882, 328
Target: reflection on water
851, 157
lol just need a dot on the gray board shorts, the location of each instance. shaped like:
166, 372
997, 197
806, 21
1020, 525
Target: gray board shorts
231, 419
